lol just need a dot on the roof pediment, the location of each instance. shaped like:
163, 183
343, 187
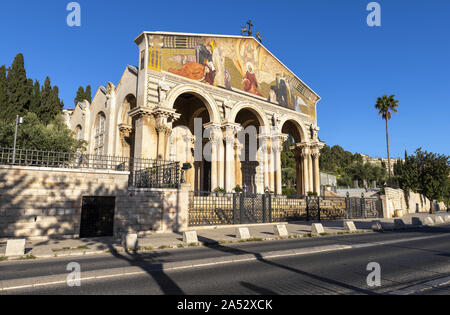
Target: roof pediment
237, 63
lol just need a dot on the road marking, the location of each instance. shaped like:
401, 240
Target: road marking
268, 255
434, 284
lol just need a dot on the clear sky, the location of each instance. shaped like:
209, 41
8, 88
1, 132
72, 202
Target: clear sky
327, 43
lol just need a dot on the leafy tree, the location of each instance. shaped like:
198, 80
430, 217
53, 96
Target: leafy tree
88, 94
385, 106
51, 105
35, 104
35, 135
433, 174
18, 90
3, 91
83, 95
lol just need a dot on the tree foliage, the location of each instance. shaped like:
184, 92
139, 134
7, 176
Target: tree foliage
425, 173
34, 135
349, 167
41, 107
83, 95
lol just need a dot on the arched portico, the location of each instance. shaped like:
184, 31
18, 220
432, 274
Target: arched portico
306, 155
206, 98
187, 141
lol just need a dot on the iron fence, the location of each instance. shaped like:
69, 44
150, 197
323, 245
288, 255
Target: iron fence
161, 174
206, 208
144, 173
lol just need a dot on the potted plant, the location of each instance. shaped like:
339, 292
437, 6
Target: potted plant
220, 192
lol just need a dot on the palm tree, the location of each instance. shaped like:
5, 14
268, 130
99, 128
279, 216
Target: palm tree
385, 105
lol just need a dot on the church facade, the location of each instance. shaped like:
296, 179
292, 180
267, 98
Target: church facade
224, 105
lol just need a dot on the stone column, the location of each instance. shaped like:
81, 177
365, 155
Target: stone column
163, 125
215, 139
266, 150
146, 138
305, 167
270, 155
310, 172
316, 156
277, 148
238, 147
230, 172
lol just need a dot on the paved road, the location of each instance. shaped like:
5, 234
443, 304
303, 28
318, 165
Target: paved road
418, 264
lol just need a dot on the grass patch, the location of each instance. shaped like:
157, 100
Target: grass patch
180, 246
3, 258
193, 245
308, 235
65, 249
325, 234
28, 257
163, 247
255, 239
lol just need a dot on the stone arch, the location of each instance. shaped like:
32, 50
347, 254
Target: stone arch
259, 113
295, 124
124, 125
207, 99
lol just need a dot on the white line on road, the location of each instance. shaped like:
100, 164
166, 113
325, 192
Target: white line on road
225, 260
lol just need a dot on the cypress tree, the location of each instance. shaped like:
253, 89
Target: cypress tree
19, 89
80, 95
46, 102
3, 92
83, 95
35, 104
88, 94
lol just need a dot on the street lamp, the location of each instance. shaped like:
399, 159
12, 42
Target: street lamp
19, 121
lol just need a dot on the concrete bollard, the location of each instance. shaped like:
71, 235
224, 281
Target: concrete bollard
399, 224
242, 233
15, 248
317, 228
280, 230
349, 226
428, 221
377, 226
190, 237
131, 242
439, 220
417, 221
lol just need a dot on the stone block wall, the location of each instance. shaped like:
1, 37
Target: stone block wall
396, 200
44, 202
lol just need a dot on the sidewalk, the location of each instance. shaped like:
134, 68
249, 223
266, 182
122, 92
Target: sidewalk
225, 234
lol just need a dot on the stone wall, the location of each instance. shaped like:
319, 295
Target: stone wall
44, 202
396, 200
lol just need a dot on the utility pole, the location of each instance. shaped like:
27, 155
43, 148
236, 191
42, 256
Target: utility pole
19, 121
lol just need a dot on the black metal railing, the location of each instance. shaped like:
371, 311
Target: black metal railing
162, 174
144, 173
208, 208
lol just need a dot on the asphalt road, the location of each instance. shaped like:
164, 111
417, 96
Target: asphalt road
418, 264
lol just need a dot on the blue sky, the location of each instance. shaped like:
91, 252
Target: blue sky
327, 43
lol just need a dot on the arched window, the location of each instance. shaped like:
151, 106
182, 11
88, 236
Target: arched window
99, 134
79, 132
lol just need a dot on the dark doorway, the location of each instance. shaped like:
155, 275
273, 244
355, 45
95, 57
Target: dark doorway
206, 176
97, 217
